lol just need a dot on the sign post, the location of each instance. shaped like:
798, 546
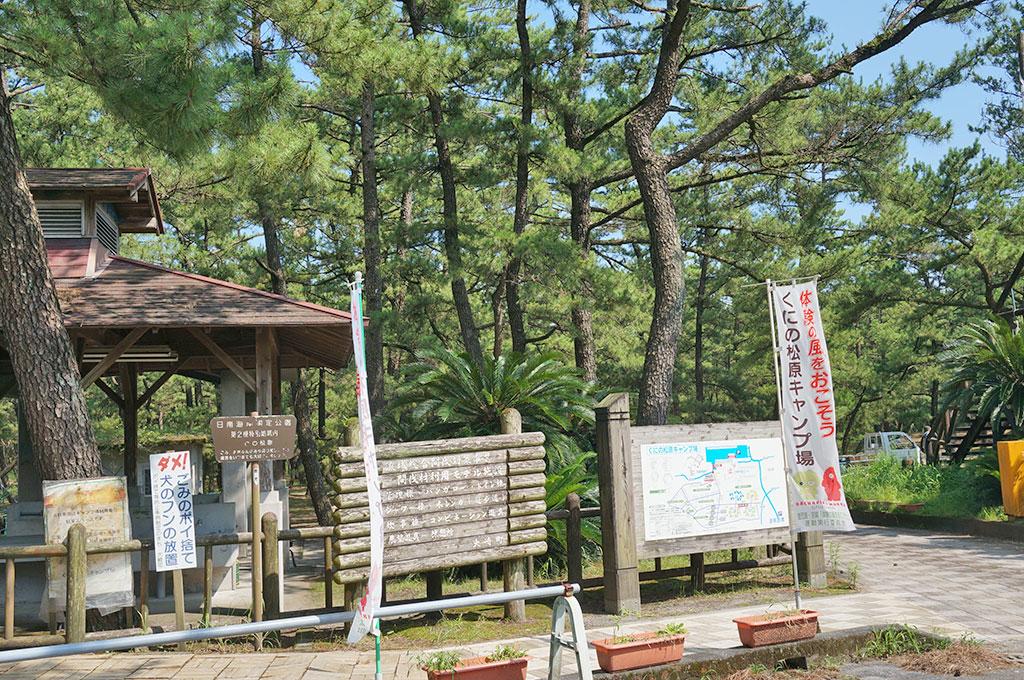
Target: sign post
254, 439
776, 359
174, 529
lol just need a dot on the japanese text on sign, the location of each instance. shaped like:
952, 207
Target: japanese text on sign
808, 411
174, 528
242, 438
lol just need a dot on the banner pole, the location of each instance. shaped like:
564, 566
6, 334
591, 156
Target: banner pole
776, 361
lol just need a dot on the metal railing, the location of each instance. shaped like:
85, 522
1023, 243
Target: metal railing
76, 548
307, 621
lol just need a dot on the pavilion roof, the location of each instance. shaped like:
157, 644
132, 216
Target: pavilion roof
130, 190
127, 293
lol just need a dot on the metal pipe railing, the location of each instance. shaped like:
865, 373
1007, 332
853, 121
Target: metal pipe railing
237, 629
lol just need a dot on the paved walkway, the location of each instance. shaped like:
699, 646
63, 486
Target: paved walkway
947, 584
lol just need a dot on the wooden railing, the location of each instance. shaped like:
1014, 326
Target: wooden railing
77, 547
573, 515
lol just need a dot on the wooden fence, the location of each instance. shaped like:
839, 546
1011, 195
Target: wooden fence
76, 548
573, 515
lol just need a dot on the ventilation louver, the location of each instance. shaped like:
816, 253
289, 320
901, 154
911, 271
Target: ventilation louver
107, 231
61, 219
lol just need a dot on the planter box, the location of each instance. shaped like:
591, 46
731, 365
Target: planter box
644, 649
764, 629
479, 668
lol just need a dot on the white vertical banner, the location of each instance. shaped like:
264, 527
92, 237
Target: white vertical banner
174, 526
808, 411
368, 604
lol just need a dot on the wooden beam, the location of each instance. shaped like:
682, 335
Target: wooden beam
224, 358
115, 354
110, 392
152, 389
130, 419
266, 348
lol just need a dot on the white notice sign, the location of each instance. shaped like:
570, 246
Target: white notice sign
174, 528
713, 487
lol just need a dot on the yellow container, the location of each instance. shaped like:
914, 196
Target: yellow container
1011, 476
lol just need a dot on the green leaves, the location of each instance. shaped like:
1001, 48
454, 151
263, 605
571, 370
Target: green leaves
987, 365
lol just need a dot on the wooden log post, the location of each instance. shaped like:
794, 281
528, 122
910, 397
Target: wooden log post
9, 600
574, 539
618, 528
144, 590
207, 584
74, 612
179, 604
810, 559
328, 572
271, 568
484, 578
696, 574
513, 571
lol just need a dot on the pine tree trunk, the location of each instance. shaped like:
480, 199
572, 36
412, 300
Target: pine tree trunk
33, 328
582, 321
666, 251
398, 301
698, 341
521, 216
449, 208
579, 198
316, 484
373, 286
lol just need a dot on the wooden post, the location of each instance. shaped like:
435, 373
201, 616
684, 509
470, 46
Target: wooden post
328, 572
9, 600
266, 351
257, 553
144, 589
696, 574
179, 604
271, 568
810, 558
484, 579
129, 379
74, 612
513, 571
207, 584
435, 585
618, 530
574, 539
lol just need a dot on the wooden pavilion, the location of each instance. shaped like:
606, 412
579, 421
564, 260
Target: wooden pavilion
126, 317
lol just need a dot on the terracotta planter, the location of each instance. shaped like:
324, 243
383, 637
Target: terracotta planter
642, 650
479, 668
768, 629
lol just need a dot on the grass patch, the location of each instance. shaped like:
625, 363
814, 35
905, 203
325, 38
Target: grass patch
900, 640
970, 490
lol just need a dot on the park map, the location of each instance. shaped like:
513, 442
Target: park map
713, 487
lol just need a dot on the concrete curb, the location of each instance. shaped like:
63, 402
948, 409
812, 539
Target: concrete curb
1003, 531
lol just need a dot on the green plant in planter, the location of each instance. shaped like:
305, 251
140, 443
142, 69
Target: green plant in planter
506, 653
438, 661
674, 628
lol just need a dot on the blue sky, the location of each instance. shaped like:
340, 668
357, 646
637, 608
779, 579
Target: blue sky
852, 21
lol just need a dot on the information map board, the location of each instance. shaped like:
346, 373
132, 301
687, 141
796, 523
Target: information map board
447, 503
713, 487
699, 488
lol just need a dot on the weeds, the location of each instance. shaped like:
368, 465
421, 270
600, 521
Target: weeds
898, 640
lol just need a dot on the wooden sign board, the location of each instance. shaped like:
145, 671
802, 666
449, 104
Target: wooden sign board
246, 438
100, 504
670, 434
447, 503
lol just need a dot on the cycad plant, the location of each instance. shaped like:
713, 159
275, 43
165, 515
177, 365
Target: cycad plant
987, 365
453, 396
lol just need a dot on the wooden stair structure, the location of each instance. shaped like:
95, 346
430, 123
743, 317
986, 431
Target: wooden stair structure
956, 435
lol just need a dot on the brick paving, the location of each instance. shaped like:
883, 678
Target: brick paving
951, 585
